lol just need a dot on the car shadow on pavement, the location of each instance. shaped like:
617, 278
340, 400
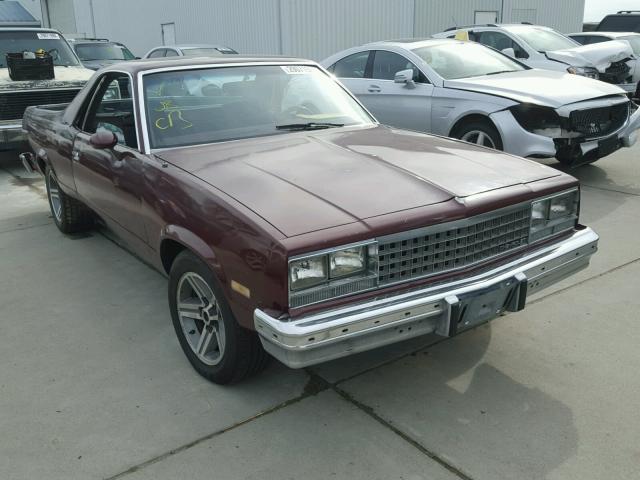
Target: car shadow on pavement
456, 404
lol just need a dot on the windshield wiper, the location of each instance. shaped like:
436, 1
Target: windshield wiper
308, 126
500, 71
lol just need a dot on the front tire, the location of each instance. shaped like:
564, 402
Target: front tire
211, 338
479, 132
69, 214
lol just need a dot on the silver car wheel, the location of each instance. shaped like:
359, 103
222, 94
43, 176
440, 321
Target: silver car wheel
200, 318
53, 191
479, 138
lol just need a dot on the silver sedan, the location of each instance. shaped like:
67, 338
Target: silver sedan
468, 91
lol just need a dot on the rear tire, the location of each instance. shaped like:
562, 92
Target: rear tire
69, 214
479, 132
217, 347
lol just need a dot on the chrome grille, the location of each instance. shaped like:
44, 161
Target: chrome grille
599, 121
443, 248
13, 104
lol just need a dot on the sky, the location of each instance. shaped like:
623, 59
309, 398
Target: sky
594, 10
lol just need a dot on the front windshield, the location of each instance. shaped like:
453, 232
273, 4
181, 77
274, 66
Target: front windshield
453, 60
543, 40
103, 51
634, 41
30, 41
209, 105
207, 51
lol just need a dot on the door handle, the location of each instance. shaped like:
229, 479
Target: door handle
374, 89
75, 156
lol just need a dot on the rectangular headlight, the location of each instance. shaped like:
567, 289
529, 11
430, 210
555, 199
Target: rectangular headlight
347, 262
308, 272
553, 215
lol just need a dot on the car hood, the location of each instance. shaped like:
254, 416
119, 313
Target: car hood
309, 181
64, 77
98, 64
598, 55
542, 87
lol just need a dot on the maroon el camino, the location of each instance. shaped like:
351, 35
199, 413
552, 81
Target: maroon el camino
288, 220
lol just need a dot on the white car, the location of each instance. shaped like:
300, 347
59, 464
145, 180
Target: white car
465, 90
189, 50
590, 38
544, 47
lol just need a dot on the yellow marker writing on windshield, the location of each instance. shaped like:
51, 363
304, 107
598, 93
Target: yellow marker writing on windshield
163, 123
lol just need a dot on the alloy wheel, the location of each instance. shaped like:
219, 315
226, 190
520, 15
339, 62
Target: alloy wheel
200, 318
479, 138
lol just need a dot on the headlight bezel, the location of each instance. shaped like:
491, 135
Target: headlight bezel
534, 117
588, 72
356, 281
554, 224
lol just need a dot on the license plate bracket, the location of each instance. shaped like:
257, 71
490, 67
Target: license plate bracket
474, 308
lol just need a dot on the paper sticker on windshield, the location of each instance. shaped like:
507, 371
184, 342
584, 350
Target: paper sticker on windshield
48, 36
297, 69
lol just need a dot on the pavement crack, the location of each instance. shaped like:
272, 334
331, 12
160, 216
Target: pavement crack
586, 280
596, 187
315, 385
414, 443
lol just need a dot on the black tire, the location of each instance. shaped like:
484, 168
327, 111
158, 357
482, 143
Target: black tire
243, 355
484, 126
69, 215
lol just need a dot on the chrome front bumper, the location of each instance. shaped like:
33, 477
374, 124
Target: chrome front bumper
11, 134
443, 309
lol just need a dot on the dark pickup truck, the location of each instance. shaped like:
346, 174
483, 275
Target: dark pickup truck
289, 221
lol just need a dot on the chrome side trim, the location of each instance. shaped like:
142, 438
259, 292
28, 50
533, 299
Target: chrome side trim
335, 333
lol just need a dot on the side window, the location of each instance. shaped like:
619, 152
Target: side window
157, 53
387, 64
500, 41
353, 66
171, 53
598, 39
111, 108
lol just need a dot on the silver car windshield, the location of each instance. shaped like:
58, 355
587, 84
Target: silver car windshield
465, 59
190, 107
634, 41
541, 39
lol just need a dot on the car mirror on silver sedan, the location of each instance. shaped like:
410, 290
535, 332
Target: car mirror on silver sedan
510, 52
406, 77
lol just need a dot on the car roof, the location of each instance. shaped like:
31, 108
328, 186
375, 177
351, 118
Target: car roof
411, 43
135, 66
191, 45
606, 34
28, 29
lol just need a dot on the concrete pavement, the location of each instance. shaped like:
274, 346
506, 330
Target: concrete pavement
93, 383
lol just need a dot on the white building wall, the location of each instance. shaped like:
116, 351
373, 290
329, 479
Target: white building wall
306, 28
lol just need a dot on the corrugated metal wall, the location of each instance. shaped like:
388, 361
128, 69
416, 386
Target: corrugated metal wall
306, 28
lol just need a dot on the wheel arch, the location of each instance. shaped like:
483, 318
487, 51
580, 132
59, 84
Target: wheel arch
175, 239
474, 117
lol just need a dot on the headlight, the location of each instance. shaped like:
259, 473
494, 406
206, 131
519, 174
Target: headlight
333, 273
554, 214
308, 272
588, 72
346, 262
535, 118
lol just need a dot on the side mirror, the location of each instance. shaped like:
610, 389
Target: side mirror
406, 77
509, 52
103, 139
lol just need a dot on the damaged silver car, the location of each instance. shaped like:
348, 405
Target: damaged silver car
467, 91
543, 47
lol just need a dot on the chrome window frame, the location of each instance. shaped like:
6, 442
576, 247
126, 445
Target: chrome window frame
133, 100
141, 100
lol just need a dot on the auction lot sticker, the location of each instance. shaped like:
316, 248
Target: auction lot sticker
48, 36
297, 69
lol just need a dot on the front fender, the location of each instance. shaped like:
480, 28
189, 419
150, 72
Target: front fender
196, 245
